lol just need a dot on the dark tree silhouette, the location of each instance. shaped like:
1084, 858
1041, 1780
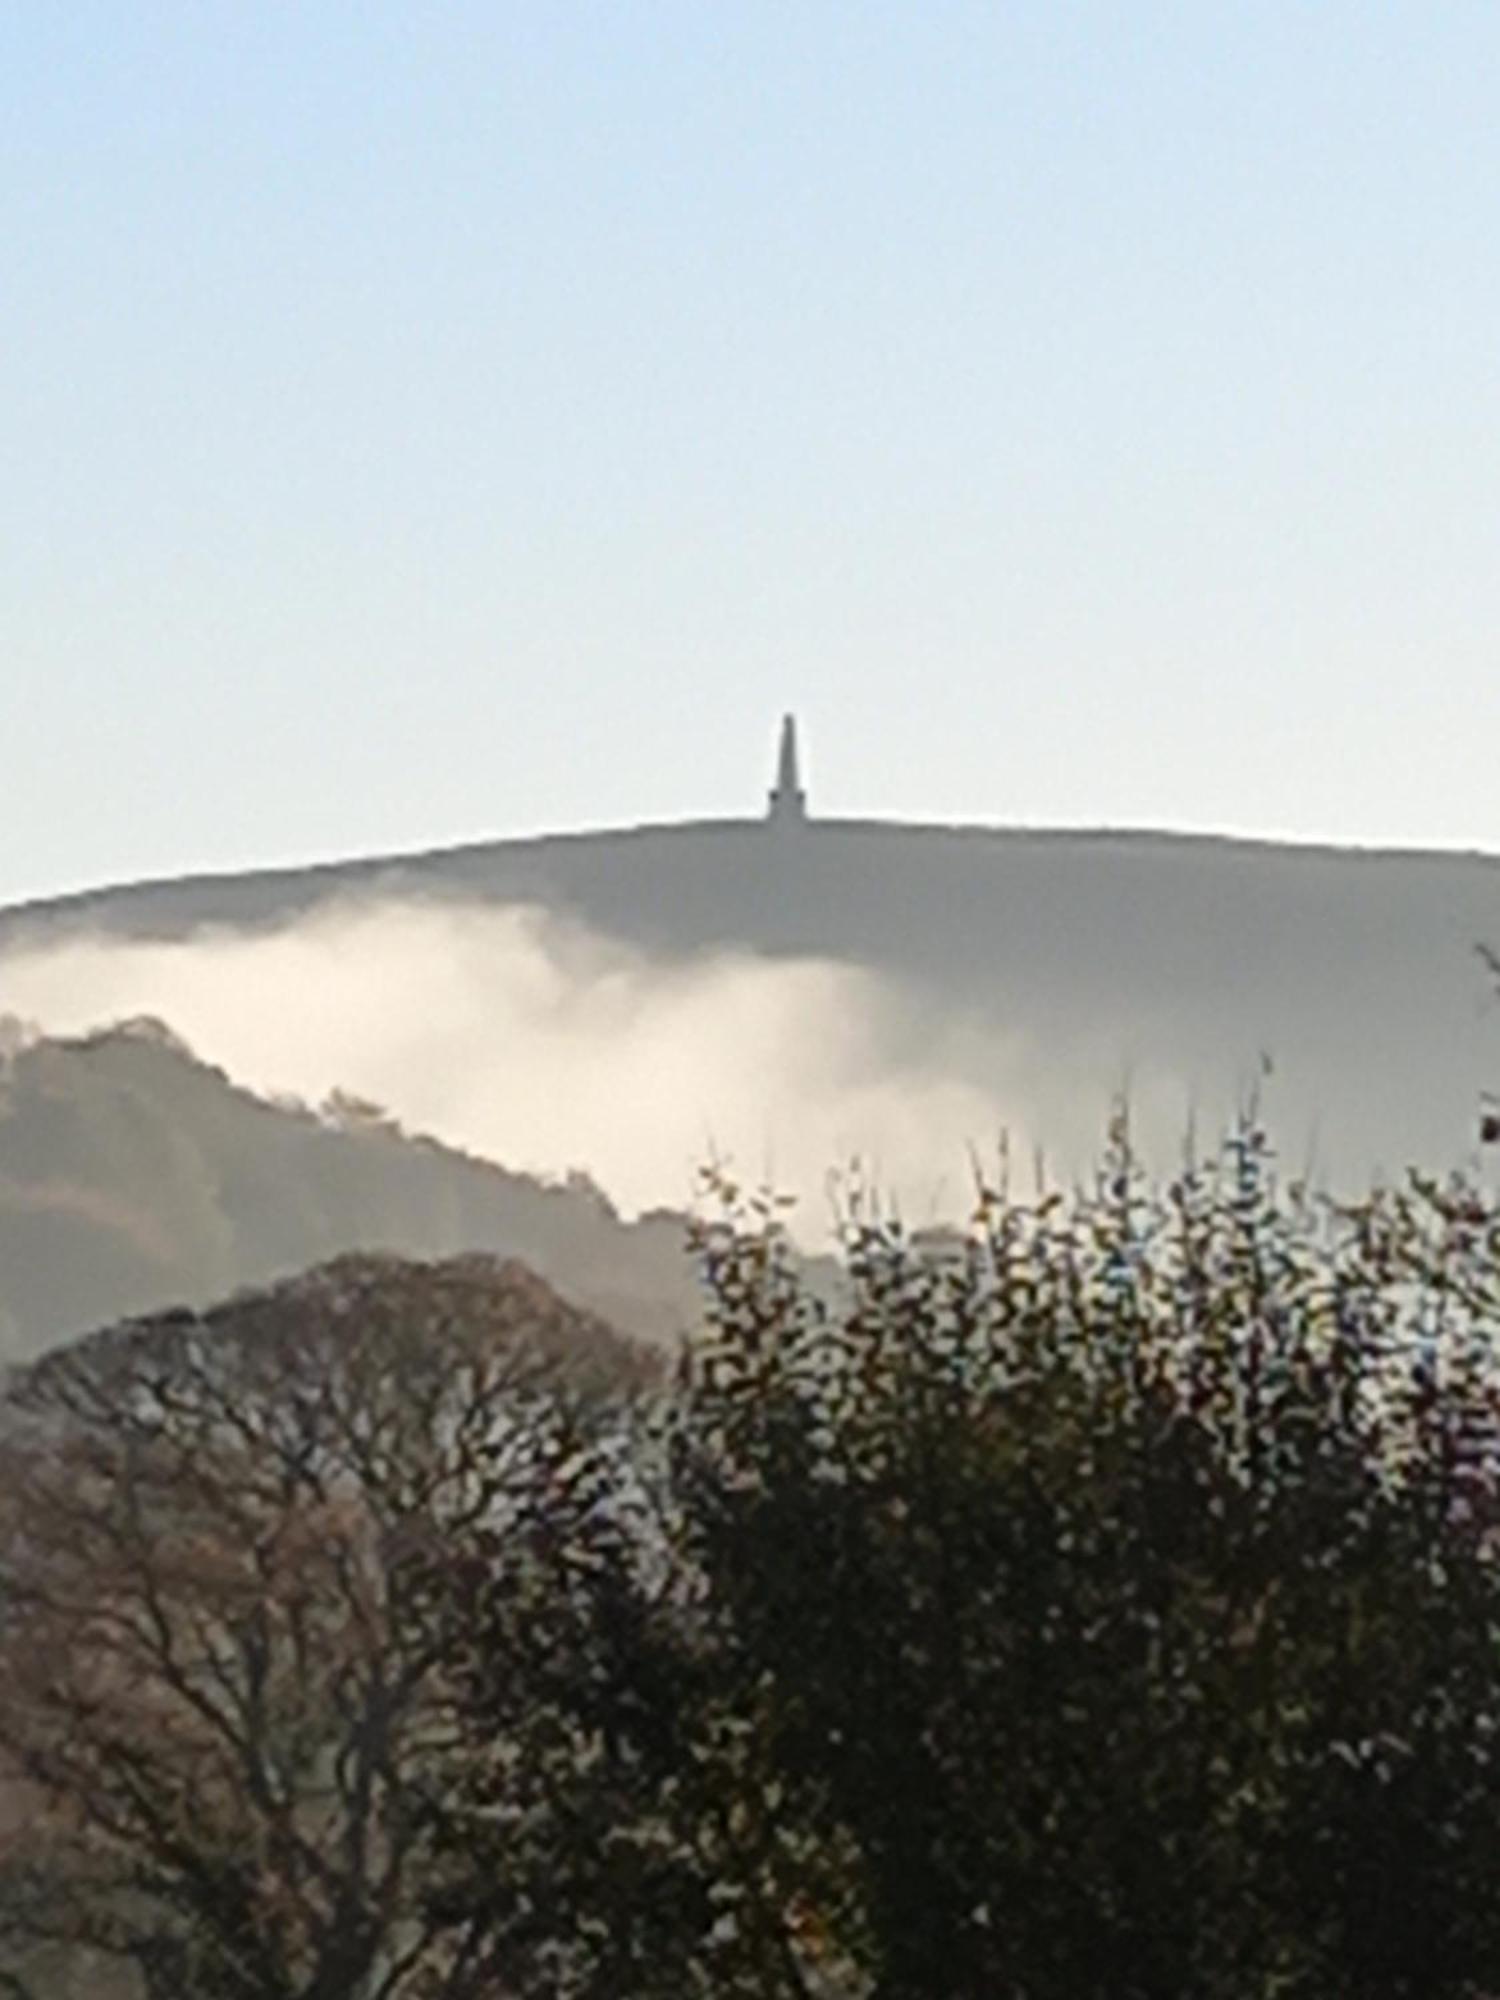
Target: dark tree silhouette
230, 1670
1121, 1592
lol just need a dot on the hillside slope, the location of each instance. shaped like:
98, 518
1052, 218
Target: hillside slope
134, 1176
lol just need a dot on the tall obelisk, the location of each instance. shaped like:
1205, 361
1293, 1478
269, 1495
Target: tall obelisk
788, 802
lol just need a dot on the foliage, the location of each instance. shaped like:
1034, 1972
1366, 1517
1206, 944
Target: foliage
1122, 1590
1102, 1602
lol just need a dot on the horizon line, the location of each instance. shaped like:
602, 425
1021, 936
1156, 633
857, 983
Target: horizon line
779, 835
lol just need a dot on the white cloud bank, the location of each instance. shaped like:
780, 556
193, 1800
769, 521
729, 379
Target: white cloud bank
546, 1046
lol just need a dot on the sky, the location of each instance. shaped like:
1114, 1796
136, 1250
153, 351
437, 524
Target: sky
433, 424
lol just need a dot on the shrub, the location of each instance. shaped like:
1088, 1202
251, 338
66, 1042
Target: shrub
1121, 1591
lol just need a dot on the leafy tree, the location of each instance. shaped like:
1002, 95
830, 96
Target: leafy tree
1121, 1592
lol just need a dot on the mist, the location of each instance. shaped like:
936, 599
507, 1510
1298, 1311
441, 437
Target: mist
547, 1046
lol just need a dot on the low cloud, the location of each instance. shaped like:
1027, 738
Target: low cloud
547, 1046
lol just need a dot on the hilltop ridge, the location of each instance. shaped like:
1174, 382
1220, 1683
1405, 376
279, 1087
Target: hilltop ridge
166, 905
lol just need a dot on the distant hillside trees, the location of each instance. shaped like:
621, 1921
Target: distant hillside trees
135, 1176
1103, 1605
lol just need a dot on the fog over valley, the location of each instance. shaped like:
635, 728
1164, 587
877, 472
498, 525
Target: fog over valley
795, 999
548, 1046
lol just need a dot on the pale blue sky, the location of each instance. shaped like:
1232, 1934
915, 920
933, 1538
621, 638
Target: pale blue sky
426, 422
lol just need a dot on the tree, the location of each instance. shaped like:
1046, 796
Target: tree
1122, 1596
230, 1641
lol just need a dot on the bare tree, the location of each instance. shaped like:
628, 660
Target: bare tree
229, 1625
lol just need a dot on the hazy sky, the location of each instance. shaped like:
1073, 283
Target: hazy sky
426, 422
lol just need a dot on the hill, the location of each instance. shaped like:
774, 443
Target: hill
1171, 964
133, 1176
